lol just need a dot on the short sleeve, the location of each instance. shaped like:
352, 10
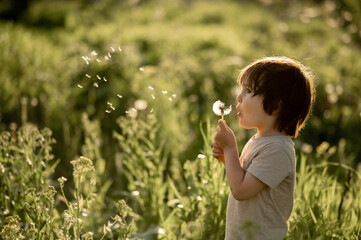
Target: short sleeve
271, 165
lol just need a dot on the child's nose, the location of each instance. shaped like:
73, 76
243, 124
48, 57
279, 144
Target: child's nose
239, 98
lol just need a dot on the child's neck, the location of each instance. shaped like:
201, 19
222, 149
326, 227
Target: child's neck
268, 133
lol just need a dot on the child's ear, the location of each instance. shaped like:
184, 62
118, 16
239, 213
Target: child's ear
278, 109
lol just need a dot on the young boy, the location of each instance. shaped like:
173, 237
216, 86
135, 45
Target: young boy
276, 98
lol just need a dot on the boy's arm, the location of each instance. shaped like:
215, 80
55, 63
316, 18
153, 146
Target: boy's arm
243, 185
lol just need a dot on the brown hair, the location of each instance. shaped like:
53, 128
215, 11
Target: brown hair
286, 87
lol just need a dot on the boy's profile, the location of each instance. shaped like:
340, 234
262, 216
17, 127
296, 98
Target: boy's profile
276, 98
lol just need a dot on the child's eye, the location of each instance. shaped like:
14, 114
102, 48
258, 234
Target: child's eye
248, 90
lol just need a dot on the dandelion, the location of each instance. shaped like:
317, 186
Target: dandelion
104, 79
119, 96
220, 109
135, 193
80, 86
140, 104
88, 76
94, 53
151, 88
95, 84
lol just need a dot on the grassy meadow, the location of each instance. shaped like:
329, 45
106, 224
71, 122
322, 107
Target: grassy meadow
107, 123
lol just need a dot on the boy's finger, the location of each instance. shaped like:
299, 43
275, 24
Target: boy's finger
222, 124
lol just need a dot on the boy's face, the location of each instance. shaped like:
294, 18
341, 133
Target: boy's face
250, 109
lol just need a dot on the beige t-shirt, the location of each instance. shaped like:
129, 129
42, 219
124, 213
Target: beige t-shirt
271, 160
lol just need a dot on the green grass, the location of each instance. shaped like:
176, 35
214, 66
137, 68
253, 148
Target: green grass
140, 176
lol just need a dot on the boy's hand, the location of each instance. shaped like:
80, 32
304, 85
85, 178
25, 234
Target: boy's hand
224, 139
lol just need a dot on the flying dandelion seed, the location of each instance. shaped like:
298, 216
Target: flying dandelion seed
95, 84
164, 92
152, 110
106, 58
110, 56
108, 111
134, 110
141, 69
94, 53
98, 60
153, 96
201, 156
113, 50
220, 109
120, 49
180, 206
85, 59
119, 96
111, 106
104, 79
88, 76
170, 99
199, 198
150, 87
109, 103
80, 86
99, 77
174, 95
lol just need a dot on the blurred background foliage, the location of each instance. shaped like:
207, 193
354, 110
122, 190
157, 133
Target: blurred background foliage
193, 49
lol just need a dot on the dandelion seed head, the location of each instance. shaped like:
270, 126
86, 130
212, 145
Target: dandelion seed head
132, 113
135, 193
140, 104
220, 109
